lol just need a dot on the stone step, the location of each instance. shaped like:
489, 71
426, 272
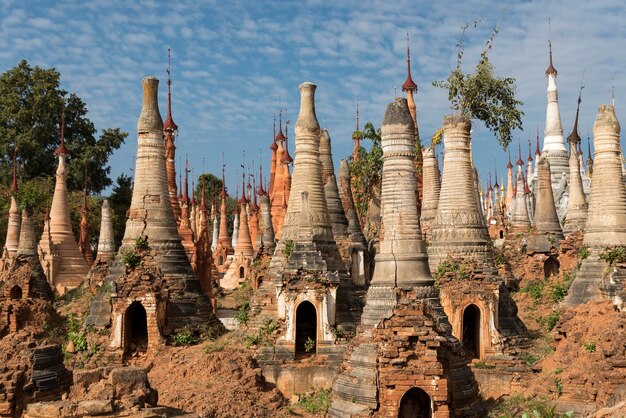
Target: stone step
587, 281
227, 317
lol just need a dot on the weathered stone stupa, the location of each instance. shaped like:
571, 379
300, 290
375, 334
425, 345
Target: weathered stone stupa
244, 252
606, 218
360, 257
336, 214
553, 142
576, 203
547, 228
67, 267
266, 241
106, 242
151, 280
390, 371
307, 220
13, 228
459, 228
224, 246
520, 220
432, 187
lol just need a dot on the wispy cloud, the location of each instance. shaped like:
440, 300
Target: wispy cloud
232, 61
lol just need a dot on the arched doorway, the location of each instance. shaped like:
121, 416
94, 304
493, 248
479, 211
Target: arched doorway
551, 267
501, 234
220, 260
15, 293
306, 328
415, 403
242, 272
471, 331
136, 328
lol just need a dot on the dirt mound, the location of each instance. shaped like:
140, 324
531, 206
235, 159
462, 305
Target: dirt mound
588, 365
216, 379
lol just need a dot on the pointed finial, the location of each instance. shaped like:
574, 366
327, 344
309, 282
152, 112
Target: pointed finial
409, 84
187, 171
169, 125
530, 158
62, 149
509, 165
357, 113
519, 155
14, 183
574, 137
537, 150
223, 194
551, 70
613, 91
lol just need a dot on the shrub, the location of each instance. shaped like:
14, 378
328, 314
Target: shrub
242, 314
583, 252
141, 243
530, 359
551, 320
534, 289
252, 340
316, 403
613, 255
499, 258
590, 347
288, 248
519, 406
559, 291
184, 338
269, 326
309, 344
131, 259
447, 266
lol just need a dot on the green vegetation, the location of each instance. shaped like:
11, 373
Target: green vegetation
131, 258
559, 386
483, 365
141, 243
590, 347
242, 314
530, 358
309, 345
583, 252
264, 336
483, 96
288, 248
446, 266
614, 255
185, 337
316, 403
551, 320
518, 406
534, 289
366, 170
499, 258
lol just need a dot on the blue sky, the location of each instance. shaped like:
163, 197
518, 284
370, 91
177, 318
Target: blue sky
231, 61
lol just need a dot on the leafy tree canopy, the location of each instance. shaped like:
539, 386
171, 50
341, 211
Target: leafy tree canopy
31, 103
483, 96
366, 170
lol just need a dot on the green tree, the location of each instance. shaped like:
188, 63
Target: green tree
366, 170
31, 103
213, 187
119, 200
483, 96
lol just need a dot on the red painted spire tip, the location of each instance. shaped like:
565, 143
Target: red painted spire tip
62, 149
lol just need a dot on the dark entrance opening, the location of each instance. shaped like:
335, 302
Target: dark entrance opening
415, 403
471, 331
241, 272
551, 267
136, 328
306, 328
15, 293
501, 234
220, 260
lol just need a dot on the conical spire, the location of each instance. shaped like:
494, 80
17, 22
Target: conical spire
169, 124
356, 137
606, 220
432, 188
519, 161
13, 229
62, 149
551, 70
520, 220
402, 257
546, 218
537, 150
409, 84
72, 267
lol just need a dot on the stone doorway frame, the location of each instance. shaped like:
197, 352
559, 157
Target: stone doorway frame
420, 392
